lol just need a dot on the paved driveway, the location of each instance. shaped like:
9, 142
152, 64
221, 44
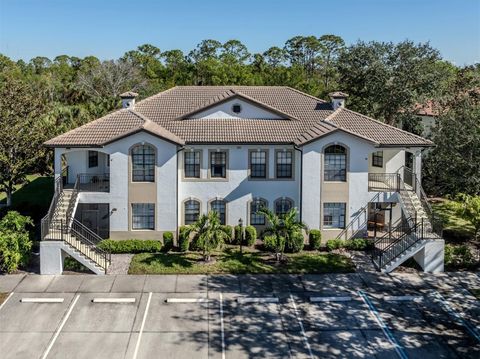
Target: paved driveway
280, 316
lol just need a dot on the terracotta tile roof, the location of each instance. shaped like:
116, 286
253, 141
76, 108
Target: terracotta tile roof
168, 115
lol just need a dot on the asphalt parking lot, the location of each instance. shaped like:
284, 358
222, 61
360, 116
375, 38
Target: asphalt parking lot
362, 315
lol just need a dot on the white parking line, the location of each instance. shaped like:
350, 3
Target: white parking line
57, 333
6, 300
403, 298
221, 326
373, 311
470, 328
329, 299
113, 300
187, 300
243, 300
305, 338
137, 345
42, 300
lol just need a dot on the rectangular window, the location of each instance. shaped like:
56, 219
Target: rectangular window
255, 217
92, 159
218, 164
377, 159
192, 164
334, 215
143, 164
284, 164
258, 164
143, 216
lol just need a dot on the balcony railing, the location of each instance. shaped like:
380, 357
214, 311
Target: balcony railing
94, 182
384, 182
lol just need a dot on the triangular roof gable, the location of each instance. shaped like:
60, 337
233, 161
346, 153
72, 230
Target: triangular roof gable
230, 95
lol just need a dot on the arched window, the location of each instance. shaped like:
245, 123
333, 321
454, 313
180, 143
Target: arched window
335, 163
282, 206
255, 217
192, 211
143, 163
218, 206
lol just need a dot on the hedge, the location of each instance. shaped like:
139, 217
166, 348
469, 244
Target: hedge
296, 243
250, 235
167, 241
229, 231
130, 246
355, 244
315, 239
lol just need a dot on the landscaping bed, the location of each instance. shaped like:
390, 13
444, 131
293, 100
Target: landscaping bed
3, 296
233, 262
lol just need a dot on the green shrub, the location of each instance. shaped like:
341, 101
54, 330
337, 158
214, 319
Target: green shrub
130, 246
333, 244
250, 235
296, 242
167, 241
315, 239
229, 231
15, 243
269, 243
183, 238
238, 234
358, 244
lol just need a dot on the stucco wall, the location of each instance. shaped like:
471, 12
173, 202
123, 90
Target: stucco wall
224, 110
238, 190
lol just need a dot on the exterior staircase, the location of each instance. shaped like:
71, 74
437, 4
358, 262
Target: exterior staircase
78, 241
418, 227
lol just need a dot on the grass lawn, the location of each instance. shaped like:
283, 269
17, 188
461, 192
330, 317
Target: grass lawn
454, 228
3, 296
231, 261
33, 198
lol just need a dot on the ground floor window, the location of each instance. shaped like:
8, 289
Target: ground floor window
219, 207
143, 216
334, 215
256, 218
192, 211
283, 206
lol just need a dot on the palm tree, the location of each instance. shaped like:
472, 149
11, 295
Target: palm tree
282, 228
209, 233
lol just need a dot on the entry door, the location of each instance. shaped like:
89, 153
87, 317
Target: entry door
90, 219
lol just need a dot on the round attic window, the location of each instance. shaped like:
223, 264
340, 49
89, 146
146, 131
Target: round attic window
237, 108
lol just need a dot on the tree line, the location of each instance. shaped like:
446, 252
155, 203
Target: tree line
44, 97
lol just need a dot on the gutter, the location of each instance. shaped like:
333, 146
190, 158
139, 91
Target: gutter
301, 179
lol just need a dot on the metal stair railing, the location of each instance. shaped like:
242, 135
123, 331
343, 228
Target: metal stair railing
57, 195
54, 229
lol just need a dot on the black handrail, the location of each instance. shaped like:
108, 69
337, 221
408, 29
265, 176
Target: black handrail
94, 182
383, 182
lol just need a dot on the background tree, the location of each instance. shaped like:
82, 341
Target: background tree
15, 243
23, 132
385, 79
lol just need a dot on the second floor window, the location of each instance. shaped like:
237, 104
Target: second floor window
192, 164
284, 164
258, 164
219, 207
218, 164
92, 159
143, 163
377, 159
335, 163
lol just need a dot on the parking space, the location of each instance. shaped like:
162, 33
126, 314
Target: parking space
314, 316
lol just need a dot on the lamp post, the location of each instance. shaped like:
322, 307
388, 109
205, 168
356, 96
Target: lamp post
240, 224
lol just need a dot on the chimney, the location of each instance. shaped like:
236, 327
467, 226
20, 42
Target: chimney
128, 99
338, 99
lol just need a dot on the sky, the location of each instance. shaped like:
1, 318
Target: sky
109, 28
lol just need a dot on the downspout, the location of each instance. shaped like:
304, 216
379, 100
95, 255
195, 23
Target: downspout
176, 195
301, 179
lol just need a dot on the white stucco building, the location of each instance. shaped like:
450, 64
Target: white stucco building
158, 164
